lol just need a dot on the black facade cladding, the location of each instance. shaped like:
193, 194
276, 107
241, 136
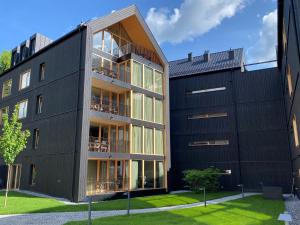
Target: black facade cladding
255, 127
57, 122
289, 60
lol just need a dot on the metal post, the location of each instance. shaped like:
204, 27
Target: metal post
128, 196
204, 192
90, 213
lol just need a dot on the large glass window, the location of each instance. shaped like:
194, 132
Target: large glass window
42, 72
148, 108
148, 78
36, 138
6, 88
159, 142
148, 141
137, 75
97, 40
137, 174
137, 139
149, 174
32, 175
158, 82
137, 112
23, 109
24, 80
39, 104
159, 174
107, 42
159, 111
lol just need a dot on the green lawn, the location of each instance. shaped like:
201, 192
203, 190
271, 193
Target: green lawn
249, 211
21, 203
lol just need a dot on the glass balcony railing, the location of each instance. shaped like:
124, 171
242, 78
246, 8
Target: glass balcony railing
104, 145
109, 106
107, 185
118, 72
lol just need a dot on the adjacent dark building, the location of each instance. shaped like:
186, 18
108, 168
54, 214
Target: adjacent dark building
96, 104
226, 117
289, 65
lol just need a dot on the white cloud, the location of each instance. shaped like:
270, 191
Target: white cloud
192, 19
265, 47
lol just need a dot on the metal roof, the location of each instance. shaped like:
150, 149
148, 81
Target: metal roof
217, 61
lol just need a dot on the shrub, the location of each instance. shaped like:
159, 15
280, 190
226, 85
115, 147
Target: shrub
208, 178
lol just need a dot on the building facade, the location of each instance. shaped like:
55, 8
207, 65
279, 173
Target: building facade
96, 103
225, 117
289, 65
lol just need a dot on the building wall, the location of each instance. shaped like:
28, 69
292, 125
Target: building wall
54, 158
255, 107
291, 58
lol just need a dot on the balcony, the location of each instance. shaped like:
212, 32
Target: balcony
103, 186
107, 106
110, 69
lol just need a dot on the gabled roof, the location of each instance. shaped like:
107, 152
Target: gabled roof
218, 61
123, 14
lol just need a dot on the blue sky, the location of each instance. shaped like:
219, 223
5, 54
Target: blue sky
194, 25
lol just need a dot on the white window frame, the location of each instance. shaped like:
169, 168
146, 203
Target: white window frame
206, 90
24, 83
209, 143
23, 105
207, 116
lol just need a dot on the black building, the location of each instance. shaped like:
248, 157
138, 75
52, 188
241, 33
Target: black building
96, 103
289, 65
225, 117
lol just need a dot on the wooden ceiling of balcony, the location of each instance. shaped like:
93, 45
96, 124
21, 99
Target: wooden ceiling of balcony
137, 34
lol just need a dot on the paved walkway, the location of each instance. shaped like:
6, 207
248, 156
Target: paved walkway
64, 217
292, 205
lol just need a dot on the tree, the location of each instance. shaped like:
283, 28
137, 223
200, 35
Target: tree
5, 58
12, 141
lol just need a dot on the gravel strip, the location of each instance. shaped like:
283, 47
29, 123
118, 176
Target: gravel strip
292, 205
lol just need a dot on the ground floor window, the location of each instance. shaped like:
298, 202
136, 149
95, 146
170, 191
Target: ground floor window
32, 175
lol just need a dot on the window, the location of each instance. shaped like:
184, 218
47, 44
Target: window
148, 78
137, 112
36, 138
148, 174
207, 116
14, 58
23, 52
32, 46
148, 108
284, 38
39, 104
97, 40
206, 90
159, 174
24, 80
148, 141
228, 172
204, 143
23, 109
137, 139
158, 82
137, 75
137, 174
159, 111
159, 142
295, 129
42, 71
107, 42
2, 112
289, 80
6, 88
32, 175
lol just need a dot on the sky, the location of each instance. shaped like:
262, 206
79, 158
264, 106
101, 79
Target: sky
180, 26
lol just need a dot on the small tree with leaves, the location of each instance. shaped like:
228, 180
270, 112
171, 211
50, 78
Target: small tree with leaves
13, 140
5, 58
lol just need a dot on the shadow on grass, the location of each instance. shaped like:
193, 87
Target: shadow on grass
249, 211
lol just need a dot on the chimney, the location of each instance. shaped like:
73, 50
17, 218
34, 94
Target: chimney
190, 57
231, 54
206, 56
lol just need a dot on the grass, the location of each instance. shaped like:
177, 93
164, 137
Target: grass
252, 210
19, 203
